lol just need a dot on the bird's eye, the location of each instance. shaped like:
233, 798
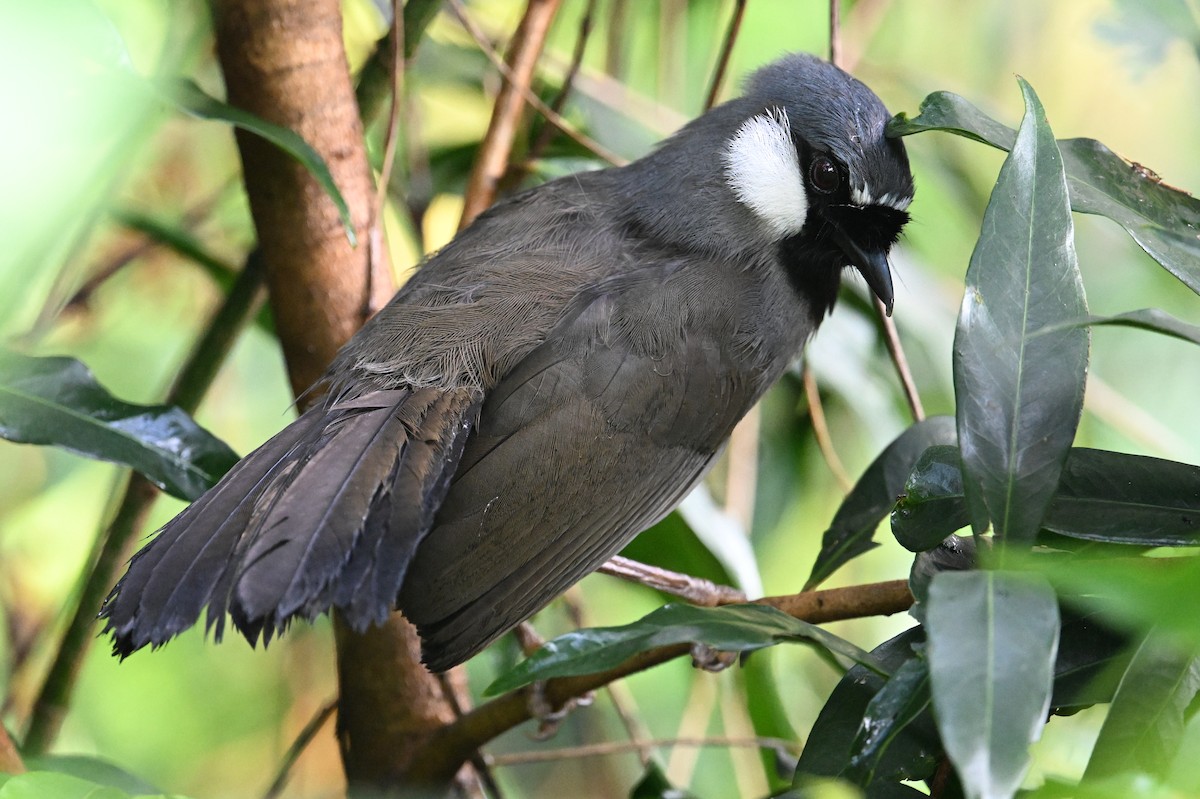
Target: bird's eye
824, 175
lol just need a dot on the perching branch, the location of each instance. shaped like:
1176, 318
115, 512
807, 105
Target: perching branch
442, 753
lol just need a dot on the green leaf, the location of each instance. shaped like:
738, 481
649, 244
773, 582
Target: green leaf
901, 701
911, 755
1020, 396
1090, 661
1109, 497
57, 401
92, 769
1163, 220
52, 785
191, 99
1145, 724
1152, 319
853, 526
932, 506
991, 649
655, 785
731, 628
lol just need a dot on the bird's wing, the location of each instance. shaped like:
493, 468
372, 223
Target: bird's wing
593, 437
326, 513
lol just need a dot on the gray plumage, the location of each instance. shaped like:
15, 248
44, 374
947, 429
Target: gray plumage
548, 385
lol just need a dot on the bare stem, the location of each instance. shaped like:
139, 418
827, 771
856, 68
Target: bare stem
695, 590
892, 338
310, 730
731, 34
816, 412
620, 747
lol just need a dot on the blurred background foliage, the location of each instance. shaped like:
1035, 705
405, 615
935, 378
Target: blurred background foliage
85, 150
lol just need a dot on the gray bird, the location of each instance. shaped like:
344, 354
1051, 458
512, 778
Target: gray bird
551, 383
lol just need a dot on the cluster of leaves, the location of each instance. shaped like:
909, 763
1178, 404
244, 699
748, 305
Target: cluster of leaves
1063, 597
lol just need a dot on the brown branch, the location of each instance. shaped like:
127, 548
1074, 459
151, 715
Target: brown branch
441, 754
835, 32
10, 758
496, 149
895, 349
553, 118
695, 590
303, 739
731, 34
816, 412
621, 747
556, 105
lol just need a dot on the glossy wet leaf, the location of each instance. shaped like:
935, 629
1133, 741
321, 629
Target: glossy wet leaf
731, 628
1020, 392
1163, 220
1145, 724
992, 640
191, 99
932, 506
901, 701
1109, 497
874, 495
58, 402
911, 754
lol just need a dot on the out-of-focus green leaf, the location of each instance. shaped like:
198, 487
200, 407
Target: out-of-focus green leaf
853, 526
1109, 497
1019, 396
902, 699
932, 505
991, 649
1153, 319
911, 755
1163, 220
57, 401
190, 98
655, 785
92, 769
731, 628
1146, 721
52, 785
1087, 667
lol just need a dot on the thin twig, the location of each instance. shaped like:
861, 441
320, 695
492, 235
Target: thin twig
816, 412
554, 119
731, 34
835, 32
111, 547
10, 758
741, 477
497, 146
891, 337
620, 747
303, 739
695, 590
546, 134
439, 756
378, 240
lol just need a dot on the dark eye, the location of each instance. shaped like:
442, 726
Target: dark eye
824, 175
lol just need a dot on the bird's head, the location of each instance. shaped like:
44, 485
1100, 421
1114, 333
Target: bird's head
811, 161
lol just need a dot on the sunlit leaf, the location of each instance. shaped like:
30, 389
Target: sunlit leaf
853, 526
991, 648
1163, 220
731, 628
1145, 724
1020, 396
192, 99
57, 401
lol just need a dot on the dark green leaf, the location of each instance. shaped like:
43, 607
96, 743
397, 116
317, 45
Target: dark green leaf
1153, 319
1163, 220
191, 99
901, 701
1109, 497
853, 526
1090, 661
1020, 396
911, 755
655, 785
1145, 724
731, 628
57, 401
1126, 499
991, 649
417, 16
932, 506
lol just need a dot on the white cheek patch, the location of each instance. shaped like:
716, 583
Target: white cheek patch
763, 170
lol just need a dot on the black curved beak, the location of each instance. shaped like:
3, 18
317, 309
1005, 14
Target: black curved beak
871, 263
